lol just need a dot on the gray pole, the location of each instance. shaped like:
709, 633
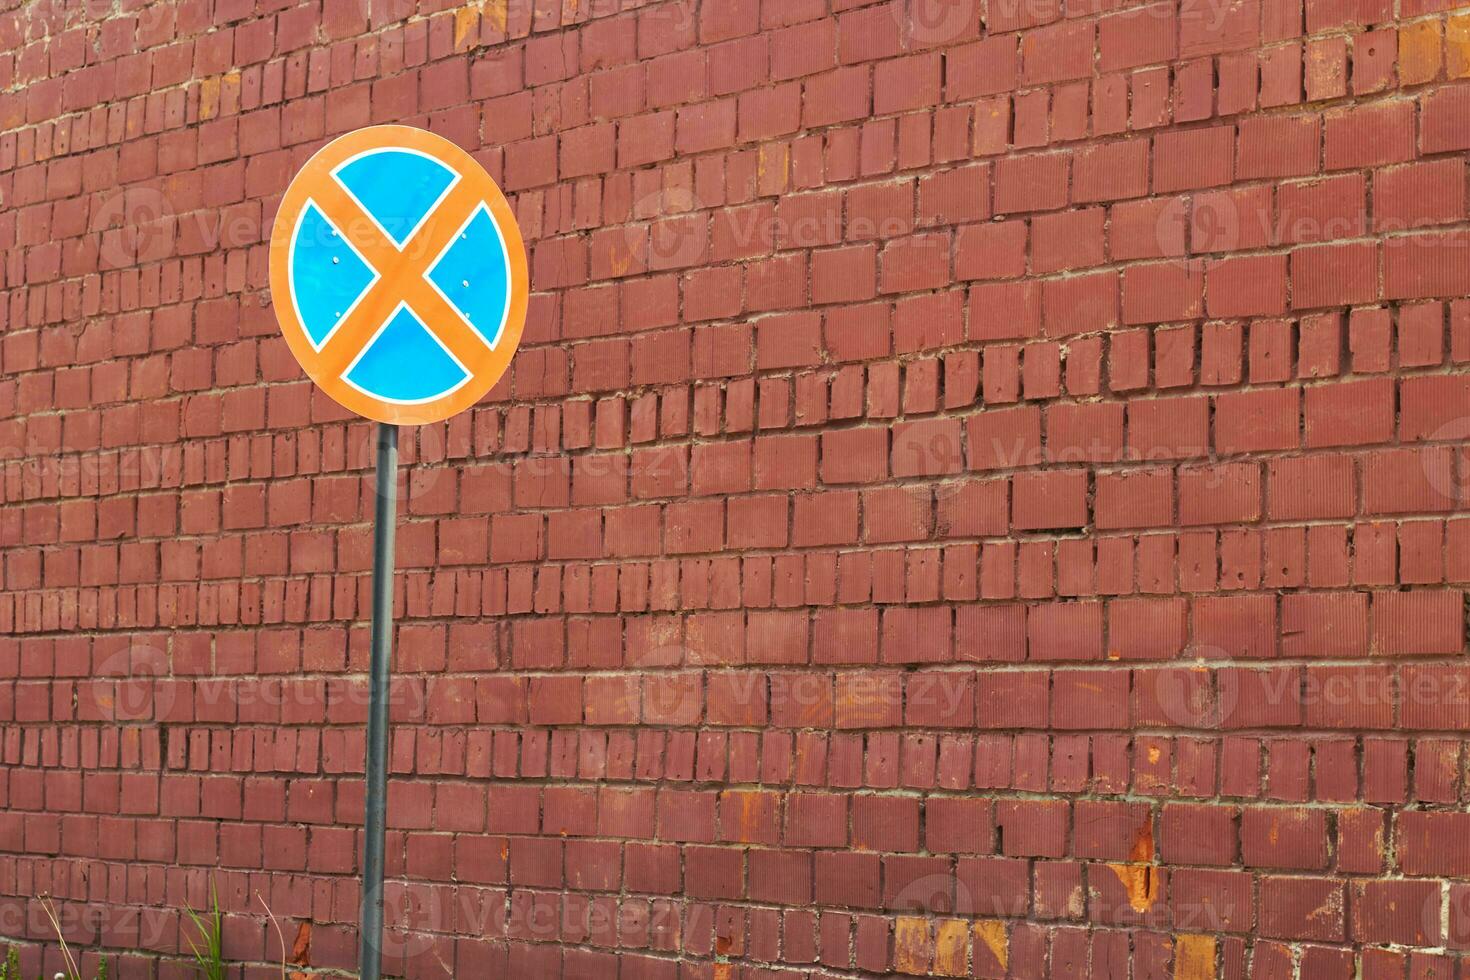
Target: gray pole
370, 939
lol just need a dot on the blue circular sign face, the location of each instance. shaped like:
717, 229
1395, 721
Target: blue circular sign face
398, 275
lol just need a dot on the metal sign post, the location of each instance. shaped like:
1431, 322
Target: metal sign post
398, 276
375, 793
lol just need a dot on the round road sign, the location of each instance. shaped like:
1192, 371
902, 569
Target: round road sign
398, 275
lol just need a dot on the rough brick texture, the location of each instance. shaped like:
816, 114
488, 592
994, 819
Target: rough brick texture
982, 493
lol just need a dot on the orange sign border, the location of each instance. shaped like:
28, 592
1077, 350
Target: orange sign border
484, 373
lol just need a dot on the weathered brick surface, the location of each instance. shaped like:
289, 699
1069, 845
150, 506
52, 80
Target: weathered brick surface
982, 493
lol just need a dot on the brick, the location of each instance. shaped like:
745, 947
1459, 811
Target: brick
995, 250
1111, 171
1032, 183
1213, 900
1418, 622
1326, 68
1326, 625
1197, 834
1148, 629
1425, 265
1005, 310
1420, 45
1168, 428
1253, 421
1303, 909
1279, 146
1312, 487
1324, 209
987, 67
1238, 626
1193, 158
1326, 14
1011, 700
1033, 828
1433, 843
1203, 32
1058, 52
1070, 240
1163, 292
1368, 136
1431, 407
1137, 37
1090, 699
1284, 838
1054, 499
1080, 304
1334, 414
1327, 275
1407, 480
1251, 698
1415, 195
960, 826
1084, 432
1252, 286
1444, 117
953, 196
1400, 912
1065, 631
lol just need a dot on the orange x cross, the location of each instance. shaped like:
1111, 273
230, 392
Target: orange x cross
400, 274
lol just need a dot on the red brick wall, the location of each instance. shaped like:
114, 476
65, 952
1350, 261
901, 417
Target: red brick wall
971, 498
